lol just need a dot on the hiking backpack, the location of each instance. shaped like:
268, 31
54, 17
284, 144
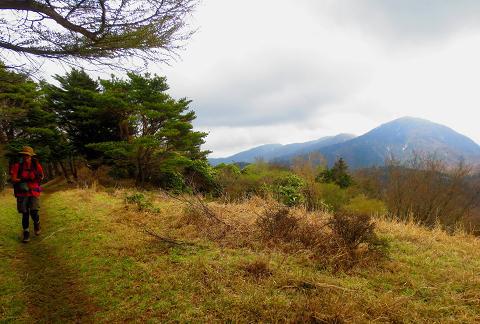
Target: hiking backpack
22, 187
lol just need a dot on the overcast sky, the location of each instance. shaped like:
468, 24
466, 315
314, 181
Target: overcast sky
278, 71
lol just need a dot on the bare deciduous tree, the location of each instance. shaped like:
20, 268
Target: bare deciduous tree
308, 167
430, 191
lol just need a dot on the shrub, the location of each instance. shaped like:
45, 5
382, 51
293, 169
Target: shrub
289, 196
141, 203
308, 167
202, 177
340, 242
311, 235
122, 172
430, 190
363, 205
352, 240
228, 178
353, 229
231, 170
312, 194
290, 180
371, 181
171, 180
288, 190
333, 196
277, 224
260, 179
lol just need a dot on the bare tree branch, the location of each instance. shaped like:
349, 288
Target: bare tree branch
96, 30
37, 7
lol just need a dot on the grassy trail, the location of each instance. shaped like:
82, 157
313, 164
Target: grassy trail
47, 288
94, 262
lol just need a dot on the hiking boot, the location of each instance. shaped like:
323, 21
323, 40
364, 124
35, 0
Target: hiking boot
26, 236
37, 229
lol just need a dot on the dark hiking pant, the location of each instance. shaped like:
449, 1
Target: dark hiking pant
28, 207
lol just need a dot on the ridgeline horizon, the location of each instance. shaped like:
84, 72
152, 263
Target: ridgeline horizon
400, 138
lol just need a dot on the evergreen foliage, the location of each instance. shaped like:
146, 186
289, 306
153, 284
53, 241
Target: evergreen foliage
82, 114
18, 97
25, 119
133, 125
155, 131
338, 174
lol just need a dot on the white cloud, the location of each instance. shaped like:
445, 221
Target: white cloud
278, 71
440, 85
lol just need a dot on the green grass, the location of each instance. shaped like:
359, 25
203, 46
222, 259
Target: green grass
11, 287
94, 255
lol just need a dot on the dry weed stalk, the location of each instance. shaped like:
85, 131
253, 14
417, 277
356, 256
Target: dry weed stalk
197, 203
202, 216
166, 240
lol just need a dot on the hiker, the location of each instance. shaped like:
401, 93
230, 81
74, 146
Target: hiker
26, 176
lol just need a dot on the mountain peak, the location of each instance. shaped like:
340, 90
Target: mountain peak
402, 138
408, 121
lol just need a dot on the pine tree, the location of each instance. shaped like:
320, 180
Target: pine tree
18, 96
338, 174
26, 120
81, 111
157, 132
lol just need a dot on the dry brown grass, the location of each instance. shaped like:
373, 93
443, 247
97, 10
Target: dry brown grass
244, 276
276, 224
257, 269
311, 267
257, 225
308, 233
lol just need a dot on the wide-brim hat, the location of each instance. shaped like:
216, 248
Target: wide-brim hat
27, 150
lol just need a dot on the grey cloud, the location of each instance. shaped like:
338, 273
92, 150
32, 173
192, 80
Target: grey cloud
404, 20
270, 90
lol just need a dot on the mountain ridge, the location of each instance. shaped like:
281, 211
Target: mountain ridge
400, 138
270, 152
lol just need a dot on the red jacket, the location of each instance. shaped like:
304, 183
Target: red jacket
31, 176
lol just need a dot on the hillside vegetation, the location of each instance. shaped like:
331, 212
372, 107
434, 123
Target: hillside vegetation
145, 136
260, 242
117, 255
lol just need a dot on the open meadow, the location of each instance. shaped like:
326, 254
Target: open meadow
118, 256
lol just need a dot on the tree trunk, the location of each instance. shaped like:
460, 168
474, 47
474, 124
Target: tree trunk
56, 169
50, 173
73, 169
64, 170
140, 179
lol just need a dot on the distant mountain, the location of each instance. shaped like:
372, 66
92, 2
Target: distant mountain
269, 152
399, 138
